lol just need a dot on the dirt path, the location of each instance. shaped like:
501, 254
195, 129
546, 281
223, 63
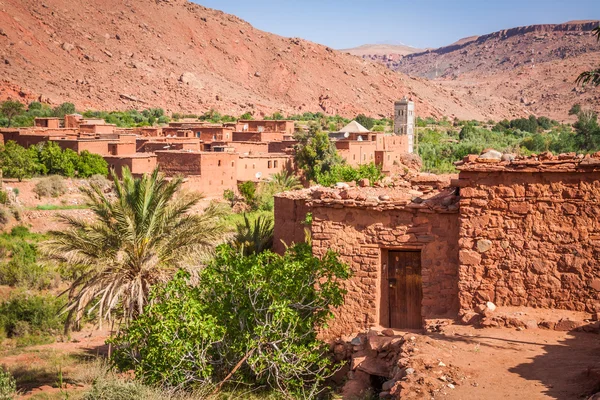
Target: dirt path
504, 363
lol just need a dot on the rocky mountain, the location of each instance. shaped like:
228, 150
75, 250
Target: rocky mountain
531, 67
384, 50
174, 54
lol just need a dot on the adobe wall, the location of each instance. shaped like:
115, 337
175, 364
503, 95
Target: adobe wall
177, 162
265, 164
257, 136
137, 165
356, 153
289, 215
93, 146
281, 147
362, 231
530, 238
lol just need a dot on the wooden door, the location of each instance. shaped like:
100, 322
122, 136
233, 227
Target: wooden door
405, 289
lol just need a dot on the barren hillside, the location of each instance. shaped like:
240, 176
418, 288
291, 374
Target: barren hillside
118, 54
533, 67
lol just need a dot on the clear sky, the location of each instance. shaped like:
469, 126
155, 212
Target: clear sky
419, 23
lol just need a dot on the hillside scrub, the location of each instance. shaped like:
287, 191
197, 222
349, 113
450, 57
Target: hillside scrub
250, 319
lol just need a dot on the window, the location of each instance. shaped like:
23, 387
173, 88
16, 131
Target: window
354, 156
232, 163
246, 166
275, 163
219, 163
197, 134
364, 157
269, 164
253, 166
214, 136
227, 136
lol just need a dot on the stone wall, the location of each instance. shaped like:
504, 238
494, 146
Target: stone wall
362, 232
530, 238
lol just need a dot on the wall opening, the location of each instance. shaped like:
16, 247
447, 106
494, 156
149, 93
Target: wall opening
401, 289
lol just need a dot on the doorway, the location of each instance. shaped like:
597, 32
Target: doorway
405, 289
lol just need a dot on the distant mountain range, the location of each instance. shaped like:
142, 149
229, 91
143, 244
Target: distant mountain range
532, 68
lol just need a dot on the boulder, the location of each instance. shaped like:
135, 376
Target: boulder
490, 155
378, 343
566, 324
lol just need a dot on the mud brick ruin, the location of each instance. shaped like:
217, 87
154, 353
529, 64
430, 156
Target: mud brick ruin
512, 232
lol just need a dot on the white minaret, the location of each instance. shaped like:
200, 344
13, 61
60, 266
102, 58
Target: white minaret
404, 120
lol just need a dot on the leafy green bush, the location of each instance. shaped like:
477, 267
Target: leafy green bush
347, 173
52, 186
248, 191
260, 313
18, 162
90, 164
8, 385
25, 314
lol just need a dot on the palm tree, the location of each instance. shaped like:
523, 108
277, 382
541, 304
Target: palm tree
137, 240
254, 237
285, 181
592, 77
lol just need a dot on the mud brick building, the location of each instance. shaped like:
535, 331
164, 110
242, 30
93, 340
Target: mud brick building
516, 233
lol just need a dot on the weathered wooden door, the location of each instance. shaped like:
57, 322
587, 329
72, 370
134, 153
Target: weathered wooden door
405, 289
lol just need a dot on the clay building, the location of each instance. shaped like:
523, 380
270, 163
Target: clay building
514, 233
282, 126
47, 123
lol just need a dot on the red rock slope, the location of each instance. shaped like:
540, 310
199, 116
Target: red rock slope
118, 54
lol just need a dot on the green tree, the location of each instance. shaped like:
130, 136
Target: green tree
17, 162
252, 318
587, 130
56, 160
315, 153
592, 77
365, 121
137, 240
89, 164
10, 109
64, 109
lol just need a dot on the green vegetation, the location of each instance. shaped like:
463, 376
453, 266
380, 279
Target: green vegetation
10, 109
252, 318
131, 118
314, 153
20, 266
31, 318
8, 385
254, 236
138, 240
48, 158
440, 145
347, 173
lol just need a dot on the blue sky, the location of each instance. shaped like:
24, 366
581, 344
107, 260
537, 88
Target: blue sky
420, 23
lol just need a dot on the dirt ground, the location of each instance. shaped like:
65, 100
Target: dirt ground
503, 363
496, 363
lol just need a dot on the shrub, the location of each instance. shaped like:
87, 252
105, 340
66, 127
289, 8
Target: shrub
3, 197
17, 162
90, 164
248, 191
52, 186
347, 173
260, 313
4, 215
31, 315
100, 181
8, 385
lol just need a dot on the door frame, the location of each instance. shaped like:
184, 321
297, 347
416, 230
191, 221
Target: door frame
383, 305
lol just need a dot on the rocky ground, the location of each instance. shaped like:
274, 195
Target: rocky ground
468, 363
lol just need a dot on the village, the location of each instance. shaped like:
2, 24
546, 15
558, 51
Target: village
510, 242
215, 157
